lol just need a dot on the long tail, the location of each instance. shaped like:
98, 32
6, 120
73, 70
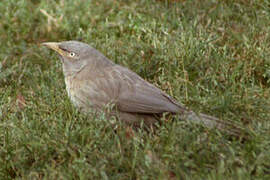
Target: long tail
213, 122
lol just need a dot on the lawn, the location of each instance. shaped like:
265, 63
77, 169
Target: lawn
213, 56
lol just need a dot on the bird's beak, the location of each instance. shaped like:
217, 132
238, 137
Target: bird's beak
54, 46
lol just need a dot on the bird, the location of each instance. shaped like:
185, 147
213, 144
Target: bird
94, 82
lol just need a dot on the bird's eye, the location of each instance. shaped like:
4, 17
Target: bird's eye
71, 54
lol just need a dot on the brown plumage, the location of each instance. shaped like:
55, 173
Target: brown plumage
93, 82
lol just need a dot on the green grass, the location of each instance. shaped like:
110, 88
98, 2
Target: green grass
213, 56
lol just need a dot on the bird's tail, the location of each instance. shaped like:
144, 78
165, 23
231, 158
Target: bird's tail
214, 123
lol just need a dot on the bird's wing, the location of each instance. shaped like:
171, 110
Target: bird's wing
138, 96
131, 94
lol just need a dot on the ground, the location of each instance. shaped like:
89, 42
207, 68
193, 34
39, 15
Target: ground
213, 56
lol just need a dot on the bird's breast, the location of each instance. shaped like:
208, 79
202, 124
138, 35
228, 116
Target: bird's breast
85, 93
72, 89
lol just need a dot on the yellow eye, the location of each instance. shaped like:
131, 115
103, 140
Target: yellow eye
72, 54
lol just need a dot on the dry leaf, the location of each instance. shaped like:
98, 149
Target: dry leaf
20, 101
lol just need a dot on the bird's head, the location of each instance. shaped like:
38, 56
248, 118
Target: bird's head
76, 55
70, 50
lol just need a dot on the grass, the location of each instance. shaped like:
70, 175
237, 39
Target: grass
213, 56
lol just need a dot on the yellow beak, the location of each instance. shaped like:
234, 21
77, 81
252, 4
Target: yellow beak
54, 46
